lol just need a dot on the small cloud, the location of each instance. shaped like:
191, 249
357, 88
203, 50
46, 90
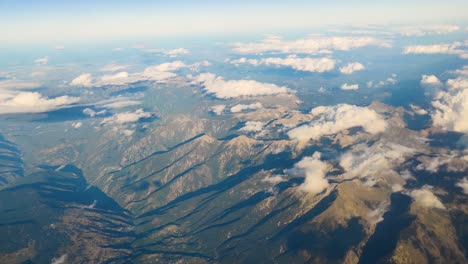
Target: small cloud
252, 126
242, 107
91, 113
218, 109
430, 81
346, 86
59, 47
126, 117
60, 260
314, 170
463, 183
237, 88
113, 68
42, 61
85, 80
300, 64
352, 67
273, 179
77, 125
426, 198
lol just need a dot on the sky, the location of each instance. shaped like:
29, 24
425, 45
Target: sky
31, 21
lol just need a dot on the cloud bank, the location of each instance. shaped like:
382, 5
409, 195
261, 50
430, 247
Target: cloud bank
308, 46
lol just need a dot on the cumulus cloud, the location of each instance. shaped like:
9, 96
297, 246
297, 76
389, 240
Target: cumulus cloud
430, 81
426, 198
418, 110
346, 86
252, 126
32, 102
237, 88
314, 170
463, 183
352, 67
242, 107
85, 80
451, 106
218, 109
456, 48
329, 120
126, 117
313, 45
300, 64
428, 30
42, 61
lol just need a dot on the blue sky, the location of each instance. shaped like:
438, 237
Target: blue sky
61, 21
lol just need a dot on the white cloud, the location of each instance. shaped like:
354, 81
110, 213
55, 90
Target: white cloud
369, 161
91, 113
218, 109
314, 45
114, 68
430, 81
329, 120
120, 78
59, 47
352, 67
300, 64
121, 104
426, 198
418, 110
273, 179
314, 171
166, 67
127, 117
456, 48
32, 102
463, 183
242, 107
237, 88
428, 30
84, 79
42, 61
14, 84
170, 52
77, 125
451, 106
176, 52
252, 126
60, 260
346, 86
